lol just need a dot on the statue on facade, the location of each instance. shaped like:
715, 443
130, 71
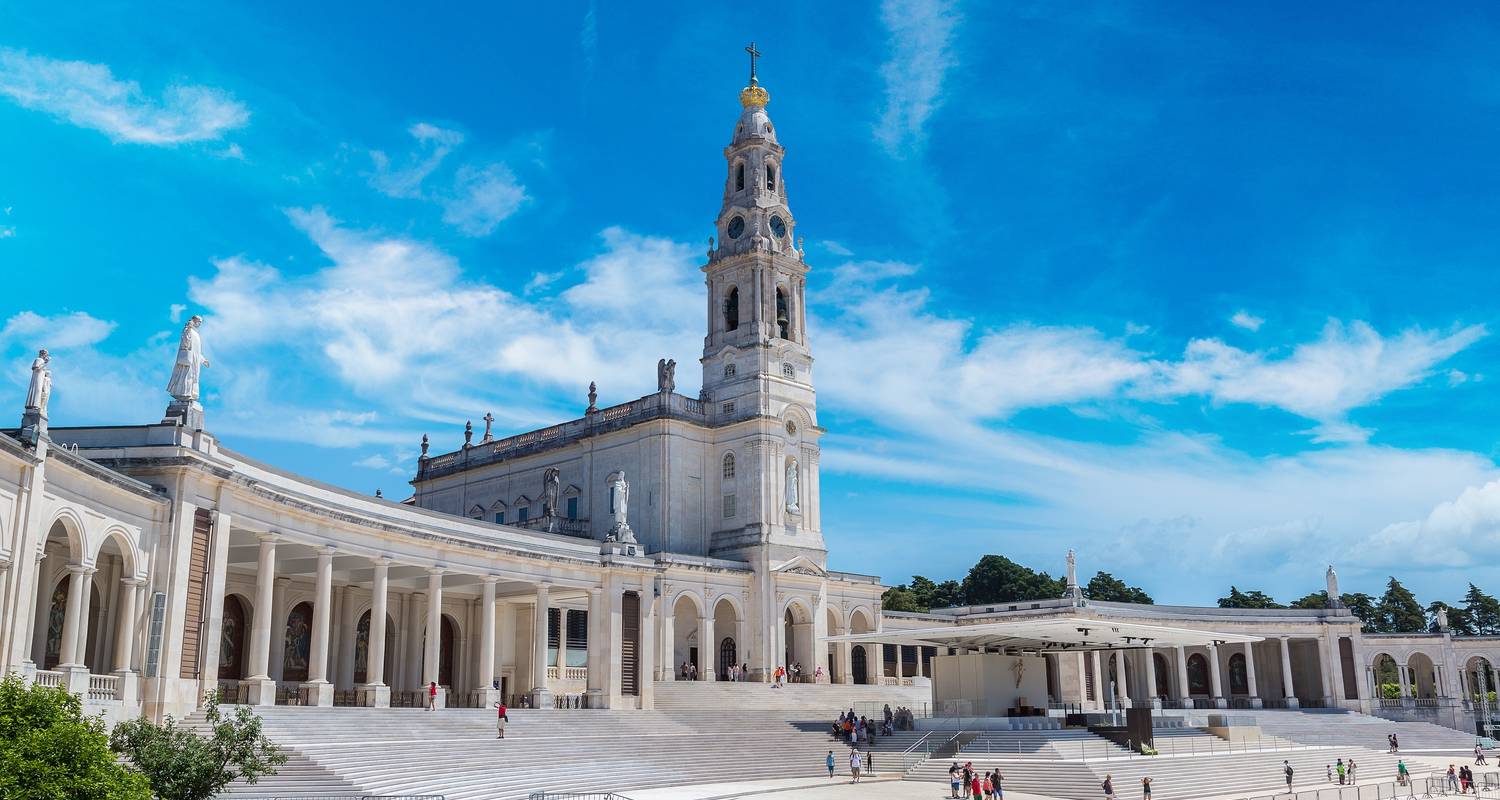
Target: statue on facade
791, 487
489, 423
34, 417
666, 375
468, 433
190, 361
593, 399
619, 504
185, 410
551, 486
1442, 618
1335, 600
1074, 592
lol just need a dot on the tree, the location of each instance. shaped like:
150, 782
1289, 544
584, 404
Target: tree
1399, 611
183, 765
1104, 586
1363, 608
1483, 612
1252, 599
1314, 600
997, 579
48, 749
900, 598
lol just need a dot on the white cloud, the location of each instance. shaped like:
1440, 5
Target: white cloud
1461, 532
176, 310
1244, 319
920, 43
836, 248
475, 199
89, 96
7, 231
374, 461
61, 332
1347, 367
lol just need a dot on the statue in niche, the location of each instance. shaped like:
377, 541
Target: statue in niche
791, 486
551, 486
184, 383
619, 504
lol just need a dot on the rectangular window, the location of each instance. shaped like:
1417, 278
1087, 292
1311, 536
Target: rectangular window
578, 638
788, 370
523, 514
572, 508
553, 624
727, 408
728, 506
499, 517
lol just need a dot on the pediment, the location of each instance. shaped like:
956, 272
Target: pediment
800, 565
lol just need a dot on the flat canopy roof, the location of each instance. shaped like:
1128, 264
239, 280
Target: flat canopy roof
1051, 635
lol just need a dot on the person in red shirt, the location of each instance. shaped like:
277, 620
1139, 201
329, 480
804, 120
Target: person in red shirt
500, 720
432, 696
976, 787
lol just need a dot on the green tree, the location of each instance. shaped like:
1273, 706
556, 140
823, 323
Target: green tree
1252, 599
900, 598
1104, 586
1363, 607
1399, 611
48, 749
1314, 600
1483, 612
997, 579
183, 765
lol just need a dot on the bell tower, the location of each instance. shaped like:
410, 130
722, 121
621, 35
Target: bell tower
757, 365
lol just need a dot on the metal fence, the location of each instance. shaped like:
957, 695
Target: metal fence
343, 797
577, 796
1485, 788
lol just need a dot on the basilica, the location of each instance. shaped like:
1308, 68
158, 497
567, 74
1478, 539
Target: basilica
146, 564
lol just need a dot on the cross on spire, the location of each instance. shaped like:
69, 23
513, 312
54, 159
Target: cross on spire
754, 54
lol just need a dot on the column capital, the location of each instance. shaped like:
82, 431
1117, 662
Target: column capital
383, 561
490, 579
84, 569
269, 537
327, 551
133, 582
436, 570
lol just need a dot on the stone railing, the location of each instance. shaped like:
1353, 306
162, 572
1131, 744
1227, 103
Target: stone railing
660, 405
50, 678
568, 673
103, 687
567, 526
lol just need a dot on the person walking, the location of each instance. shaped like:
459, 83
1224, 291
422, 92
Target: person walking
1351, 770
1452, 778
976, 787
1395, 744
1146, 788
829, 762
870, 762
1402, 776
1286, 768
501, 717
955, 777
431, 696
1109, 786
996, 777
854, 765
1338, 767
1478, 755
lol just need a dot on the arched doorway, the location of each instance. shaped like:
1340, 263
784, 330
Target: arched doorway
1197, 670
726, 627
860, 664
1159, 664
298, 643
445, 652
362, 650
797, 635
687, 616
1423, 675
728, 655
1387, 677
57, 613
232, 640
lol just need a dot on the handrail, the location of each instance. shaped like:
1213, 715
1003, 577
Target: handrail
918, 743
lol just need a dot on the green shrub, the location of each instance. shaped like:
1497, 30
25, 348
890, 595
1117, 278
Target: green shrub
50, 751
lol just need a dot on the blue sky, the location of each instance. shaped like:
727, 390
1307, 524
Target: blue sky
1204, 291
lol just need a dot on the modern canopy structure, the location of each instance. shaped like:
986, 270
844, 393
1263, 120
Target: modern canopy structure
1068, 634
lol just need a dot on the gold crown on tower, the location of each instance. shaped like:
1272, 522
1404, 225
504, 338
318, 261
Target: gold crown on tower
754, 95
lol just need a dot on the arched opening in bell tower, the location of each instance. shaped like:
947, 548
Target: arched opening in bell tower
732, 310
783, 315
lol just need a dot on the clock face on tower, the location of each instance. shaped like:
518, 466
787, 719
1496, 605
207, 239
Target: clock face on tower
736, 227
778, 226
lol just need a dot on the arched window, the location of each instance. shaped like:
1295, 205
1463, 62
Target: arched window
728, 655
783, 315
1162, 671
729, 466
1197, 670
770, 177
739, 177
1239, 679
732, 310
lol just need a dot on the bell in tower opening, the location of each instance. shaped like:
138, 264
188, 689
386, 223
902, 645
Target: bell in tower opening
783, 324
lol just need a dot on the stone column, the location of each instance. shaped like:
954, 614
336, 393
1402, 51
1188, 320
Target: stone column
375, 693
598, 648
1255, 701
1215, 679
261, 689
432, 654
279, 612
648, 611
846, 662
75, 619
1184, 689
487, 641
1151, 696
541, 695
348, 630
562, 643
707, 651
900, 664
1122, 691
1289, 686
1402, 677
666, 665
128, 682
317, 691
1101, 681
921, 668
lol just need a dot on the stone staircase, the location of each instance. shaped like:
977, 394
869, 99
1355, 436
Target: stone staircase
722, 734
821, 701
1337, 727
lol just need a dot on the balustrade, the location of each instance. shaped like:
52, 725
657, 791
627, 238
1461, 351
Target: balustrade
103, 687
50, 678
